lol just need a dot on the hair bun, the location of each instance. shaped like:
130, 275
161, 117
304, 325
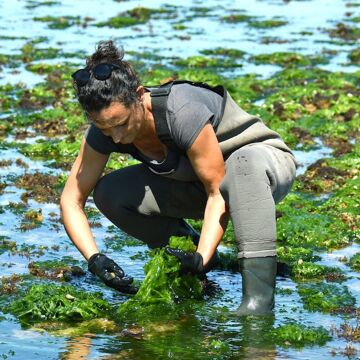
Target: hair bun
106, 51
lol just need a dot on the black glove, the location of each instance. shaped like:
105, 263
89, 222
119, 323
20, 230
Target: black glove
191, 262
111, 273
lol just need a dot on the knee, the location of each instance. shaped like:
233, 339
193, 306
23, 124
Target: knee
246, 178
245, 162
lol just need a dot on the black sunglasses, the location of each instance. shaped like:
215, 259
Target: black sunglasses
100, 71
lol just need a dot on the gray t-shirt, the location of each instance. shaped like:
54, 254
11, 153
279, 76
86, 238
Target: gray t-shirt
189, 108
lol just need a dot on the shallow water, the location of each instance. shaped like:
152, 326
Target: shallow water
158, 36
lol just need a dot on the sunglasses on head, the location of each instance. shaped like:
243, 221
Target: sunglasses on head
100, 71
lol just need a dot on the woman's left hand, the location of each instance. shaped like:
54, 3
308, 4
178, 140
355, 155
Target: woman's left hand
191, 262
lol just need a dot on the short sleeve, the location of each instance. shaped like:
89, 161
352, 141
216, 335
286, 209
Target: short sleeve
99, 142
187, 122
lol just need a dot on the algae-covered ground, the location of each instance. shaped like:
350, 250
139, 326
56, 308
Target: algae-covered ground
295, 64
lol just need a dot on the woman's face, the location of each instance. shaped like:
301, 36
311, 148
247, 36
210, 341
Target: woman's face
122, 124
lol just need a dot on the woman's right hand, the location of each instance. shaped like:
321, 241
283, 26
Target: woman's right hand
111, 273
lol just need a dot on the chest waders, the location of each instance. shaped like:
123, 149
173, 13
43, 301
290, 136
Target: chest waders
235, 130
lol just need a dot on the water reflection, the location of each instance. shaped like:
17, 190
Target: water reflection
77, 348
248, 339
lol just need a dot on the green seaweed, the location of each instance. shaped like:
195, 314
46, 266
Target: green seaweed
309, 270
318, 103
162, 287
66, 261
206, 62
9, 99
30, 52
289, 59
62, 22
236, 18
63, 269
245, 90
298, 335
192, 74
179, 27
266, 24
354, 262
86, 327
321, 178
305, 223
35, 4
118, 161
293, 254
6, 244
41, 187
354, 56
59, 151
135, 16
345, 32
32, 219
43, 68
326, 297
355, 19
225, 52
17, 208
57, 303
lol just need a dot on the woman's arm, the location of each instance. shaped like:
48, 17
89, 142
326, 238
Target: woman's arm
83, 177
208, 163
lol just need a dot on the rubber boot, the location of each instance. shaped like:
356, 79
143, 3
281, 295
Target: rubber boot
258, 285
187, 230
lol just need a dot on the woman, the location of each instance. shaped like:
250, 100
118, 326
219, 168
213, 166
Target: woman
201, 157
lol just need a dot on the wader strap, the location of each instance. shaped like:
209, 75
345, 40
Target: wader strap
159, 96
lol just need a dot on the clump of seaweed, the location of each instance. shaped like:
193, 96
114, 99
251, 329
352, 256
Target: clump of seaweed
288, 59
323, 224
207, 62
92, 326
236, 18
309, 270
320, 177
354, 262
41, 187
266, 24
62, 22
138, 15
296, 335
163, 286
225, 52
31, 220
354, 56
345, 32
55, 270
349, 332
6, 244
57, 303
8, 284
327, 298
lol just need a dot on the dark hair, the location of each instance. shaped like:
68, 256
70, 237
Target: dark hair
121, 85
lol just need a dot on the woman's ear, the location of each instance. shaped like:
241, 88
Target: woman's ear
140, 92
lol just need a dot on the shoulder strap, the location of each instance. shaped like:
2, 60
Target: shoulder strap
159, 96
